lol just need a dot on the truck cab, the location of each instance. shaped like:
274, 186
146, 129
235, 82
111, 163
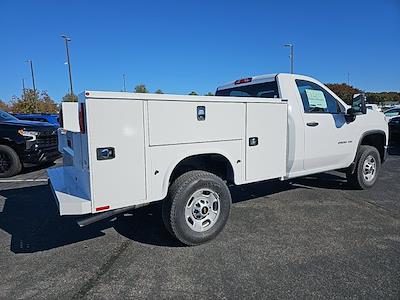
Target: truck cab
322, 135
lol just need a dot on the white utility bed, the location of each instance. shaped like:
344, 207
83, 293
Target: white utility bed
151, 134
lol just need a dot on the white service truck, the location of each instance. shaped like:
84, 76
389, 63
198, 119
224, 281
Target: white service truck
125, 150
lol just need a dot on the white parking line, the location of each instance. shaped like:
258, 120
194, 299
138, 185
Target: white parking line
23, 180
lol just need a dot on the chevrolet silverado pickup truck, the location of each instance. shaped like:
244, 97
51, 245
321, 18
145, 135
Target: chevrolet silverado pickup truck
186, 150
24, 143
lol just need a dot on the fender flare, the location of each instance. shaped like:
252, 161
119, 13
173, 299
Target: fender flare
352, 166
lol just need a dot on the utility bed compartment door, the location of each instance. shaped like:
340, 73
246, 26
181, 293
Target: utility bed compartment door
118, 180
178, 122
266, 140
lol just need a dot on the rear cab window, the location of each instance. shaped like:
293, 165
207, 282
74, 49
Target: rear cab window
260, 90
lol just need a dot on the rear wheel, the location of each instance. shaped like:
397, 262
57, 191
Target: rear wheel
197, 207
10, 164
367, 168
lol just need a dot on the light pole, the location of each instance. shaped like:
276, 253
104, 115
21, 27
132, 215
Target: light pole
290, 56
67, 40
29, 61
23, 86
124, 77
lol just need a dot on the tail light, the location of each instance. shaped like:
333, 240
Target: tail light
60, 117
82, 124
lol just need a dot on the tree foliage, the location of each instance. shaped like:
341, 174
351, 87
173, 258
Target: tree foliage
140, 88
70, 98
193, 93
383, 97
209, 94
159, 91
46, 104
344, 91
33, 102
4, 106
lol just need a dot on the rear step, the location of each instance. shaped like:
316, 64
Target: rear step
105, 215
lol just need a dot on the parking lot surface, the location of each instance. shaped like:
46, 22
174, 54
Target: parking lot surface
312, 237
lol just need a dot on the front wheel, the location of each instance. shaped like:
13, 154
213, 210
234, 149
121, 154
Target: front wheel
10, 164
367, 168
197, 207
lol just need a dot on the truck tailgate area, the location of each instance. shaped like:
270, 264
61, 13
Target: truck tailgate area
69, 198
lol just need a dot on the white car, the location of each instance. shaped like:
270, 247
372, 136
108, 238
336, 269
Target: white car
186, 150
391, 113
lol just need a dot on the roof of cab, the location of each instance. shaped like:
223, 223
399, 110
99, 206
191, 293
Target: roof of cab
254, 79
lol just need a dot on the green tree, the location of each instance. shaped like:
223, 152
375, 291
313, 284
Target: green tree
31, 102
209, 94
193, 93
344, 91
70, 98
27, 103
3, 106
46, 104
159, 91
383, 97
141, 88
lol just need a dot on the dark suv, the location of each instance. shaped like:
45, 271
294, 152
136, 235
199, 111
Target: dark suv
25, 142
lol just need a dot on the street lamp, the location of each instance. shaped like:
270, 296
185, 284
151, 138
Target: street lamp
290, 56
67, 40
29, 61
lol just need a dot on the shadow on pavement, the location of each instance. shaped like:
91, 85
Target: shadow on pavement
324, 181
30, 216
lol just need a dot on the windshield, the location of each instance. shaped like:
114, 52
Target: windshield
262, 90
6, 116
392, 112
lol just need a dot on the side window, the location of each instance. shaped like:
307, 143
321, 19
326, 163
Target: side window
316, 99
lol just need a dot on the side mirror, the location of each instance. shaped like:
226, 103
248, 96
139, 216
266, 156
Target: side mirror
358, 105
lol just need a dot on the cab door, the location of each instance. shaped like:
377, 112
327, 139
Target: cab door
327, 136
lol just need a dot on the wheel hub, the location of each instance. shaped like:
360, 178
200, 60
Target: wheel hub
369, 168
202, 210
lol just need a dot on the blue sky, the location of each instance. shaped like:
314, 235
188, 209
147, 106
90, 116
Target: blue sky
179, 46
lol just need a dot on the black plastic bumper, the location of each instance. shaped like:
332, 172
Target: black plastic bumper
40, 156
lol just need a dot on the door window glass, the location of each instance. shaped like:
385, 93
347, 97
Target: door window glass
316, 99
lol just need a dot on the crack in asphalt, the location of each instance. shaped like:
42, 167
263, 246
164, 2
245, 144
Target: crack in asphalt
91, 283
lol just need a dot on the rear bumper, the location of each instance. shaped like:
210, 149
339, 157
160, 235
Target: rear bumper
70, 200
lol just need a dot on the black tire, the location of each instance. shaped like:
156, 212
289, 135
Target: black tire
181, 194
10, 164
357, 179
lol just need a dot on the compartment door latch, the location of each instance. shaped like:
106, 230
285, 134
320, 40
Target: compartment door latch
105, 153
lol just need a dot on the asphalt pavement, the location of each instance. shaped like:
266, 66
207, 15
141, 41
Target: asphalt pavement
312, 237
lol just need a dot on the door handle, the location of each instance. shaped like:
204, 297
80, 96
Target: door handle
312, 124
